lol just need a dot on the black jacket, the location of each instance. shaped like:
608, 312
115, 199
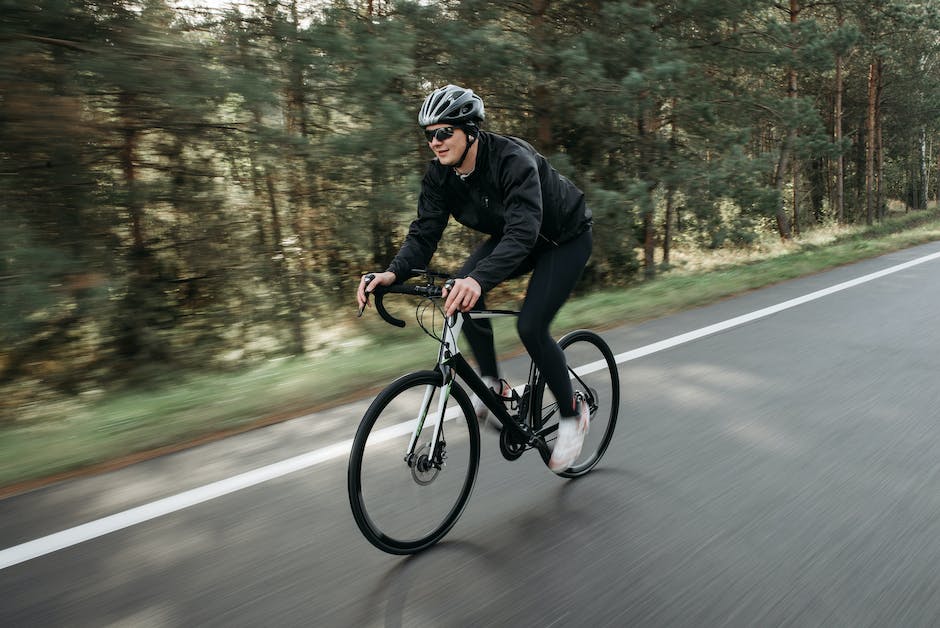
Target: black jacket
513, 194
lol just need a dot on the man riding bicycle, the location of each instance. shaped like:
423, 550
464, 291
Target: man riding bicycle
537, 222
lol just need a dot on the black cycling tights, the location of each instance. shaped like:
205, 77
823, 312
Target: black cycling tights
554, 274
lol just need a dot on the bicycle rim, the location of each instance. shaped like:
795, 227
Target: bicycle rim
593, 371
404, 506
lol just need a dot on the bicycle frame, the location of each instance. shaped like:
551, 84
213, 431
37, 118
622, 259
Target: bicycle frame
450, 363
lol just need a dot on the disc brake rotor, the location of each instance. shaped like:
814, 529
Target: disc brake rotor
423, 470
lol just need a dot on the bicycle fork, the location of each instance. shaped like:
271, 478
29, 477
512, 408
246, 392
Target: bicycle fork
436, 451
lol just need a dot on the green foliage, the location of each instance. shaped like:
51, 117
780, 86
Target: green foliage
32, 276
185, 189
615, 240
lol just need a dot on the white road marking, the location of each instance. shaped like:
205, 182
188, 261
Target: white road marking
141, 514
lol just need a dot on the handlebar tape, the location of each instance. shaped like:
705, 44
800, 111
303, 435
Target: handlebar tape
418, 291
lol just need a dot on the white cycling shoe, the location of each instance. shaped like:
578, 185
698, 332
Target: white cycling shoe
571, 433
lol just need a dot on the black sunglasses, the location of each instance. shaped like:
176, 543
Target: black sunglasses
440, 134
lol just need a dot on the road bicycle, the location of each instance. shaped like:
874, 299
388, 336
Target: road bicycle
416, 453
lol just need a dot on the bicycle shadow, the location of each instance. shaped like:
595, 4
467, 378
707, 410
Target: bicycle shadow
400, 582
462, 582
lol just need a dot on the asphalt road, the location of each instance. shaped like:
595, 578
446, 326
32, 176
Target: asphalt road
780, 472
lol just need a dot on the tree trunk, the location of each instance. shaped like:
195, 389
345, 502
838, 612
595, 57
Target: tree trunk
796, 200
786, 230
922, 178
879, 145
783, 221
820, 188
840, 160
133, 340
300, 173
649, 242
645, 155
870, 147
541, 93
938, 180
667, 223
279, 260
129, 169
671, 188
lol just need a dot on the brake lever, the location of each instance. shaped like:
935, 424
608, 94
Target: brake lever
369, 278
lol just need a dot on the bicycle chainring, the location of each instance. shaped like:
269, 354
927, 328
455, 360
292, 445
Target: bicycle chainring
510, 445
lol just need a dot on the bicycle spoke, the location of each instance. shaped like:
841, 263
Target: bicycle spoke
594, 372
404, 503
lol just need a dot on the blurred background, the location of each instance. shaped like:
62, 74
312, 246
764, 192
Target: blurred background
189, 186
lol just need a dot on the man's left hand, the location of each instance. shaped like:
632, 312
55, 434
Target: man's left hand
462, 296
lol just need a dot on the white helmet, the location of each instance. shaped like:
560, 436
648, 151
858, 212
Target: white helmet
451, 105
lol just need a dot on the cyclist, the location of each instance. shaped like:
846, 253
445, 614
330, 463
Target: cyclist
536, 220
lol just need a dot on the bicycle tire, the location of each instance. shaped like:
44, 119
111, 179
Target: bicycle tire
402, 508
593, 367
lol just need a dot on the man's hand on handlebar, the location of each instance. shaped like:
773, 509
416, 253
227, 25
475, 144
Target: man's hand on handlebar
461, 295
370, 282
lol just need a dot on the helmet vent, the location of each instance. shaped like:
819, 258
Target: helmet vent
451, 104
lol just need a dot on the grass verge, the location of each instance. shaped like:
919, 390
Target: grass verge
91, 434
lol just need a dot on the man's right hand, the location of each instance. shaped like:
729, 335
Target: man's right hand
366, 286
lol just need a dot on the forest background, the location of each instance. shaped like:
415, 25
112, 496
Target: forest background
192, 187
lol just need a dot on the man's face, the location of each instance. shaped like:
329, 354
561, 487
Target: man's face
447, 149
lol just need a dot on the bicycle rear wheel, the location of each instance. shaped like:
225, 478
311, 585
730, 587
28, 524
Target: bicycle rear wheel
406, 499
593, 372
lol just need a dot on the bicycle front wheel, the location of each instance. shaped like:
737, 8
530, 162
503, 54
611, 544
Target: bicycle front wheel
593, 371
404, 496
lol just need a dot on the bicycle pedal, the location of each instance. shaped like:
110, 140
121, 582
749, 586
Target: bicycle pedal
511, 403
512, 400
